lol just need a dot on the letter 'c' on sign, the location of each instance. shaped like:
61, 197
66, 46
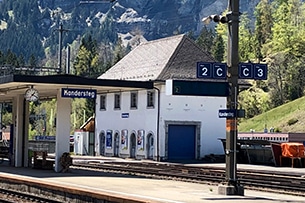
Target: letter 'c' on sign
246, 72
219, 72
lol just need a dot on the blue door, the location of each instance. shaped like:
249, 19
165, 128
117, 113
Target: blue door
181, 142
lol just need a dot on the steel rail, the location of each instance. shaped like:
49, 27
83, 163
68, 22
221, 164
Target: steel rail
10, 196
251, 179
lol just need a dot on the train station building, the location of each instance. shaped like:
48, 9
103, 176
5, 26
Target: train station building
137, 115
155, 124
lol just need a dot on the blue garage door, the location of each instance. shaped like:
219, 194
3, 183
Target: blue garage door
181, 142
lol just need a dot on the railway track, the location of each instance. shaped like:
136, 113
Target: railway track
251, 179
11, 196
268, 181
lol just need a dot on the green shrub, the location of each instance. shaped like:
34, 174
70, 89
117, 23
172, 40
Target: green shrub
292, 121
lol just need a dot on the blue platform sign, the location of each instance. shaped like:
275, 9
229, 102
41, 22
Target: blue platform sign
204, 69
42, 137
260, 71
219, 71
78, 93
210, 70
245, 71
125, 115
227, 113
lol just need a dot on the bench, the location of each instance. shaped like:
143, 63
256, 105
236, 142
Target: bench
41, 161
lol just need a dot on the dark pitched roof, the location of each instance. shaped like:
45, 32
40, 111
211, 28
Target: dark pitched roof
168, 58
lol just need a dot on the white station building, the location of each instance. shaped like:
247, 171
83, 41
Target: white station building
153, 124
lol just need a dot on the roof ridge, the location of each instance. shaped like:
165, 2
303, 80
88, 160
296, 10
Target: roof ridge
163, 39
172, 57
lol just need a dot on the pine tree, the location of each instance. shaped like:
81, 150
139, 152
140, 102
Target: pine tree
119, 51
86, 63
263, 25
218, 49
246, 42
205, 39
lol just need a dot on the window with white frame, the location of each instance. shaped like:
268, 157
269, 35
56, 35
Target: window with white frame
103, 102
134, 100
150, 99
117, 101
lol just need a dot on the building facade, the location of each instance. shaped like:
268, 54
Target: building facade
150, 124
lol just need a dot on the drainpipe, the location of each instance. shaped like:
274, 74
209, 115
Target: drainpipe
23, 133
158, 124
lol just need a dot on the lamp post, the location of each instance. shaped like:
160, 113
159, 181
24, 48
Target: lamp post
231, 185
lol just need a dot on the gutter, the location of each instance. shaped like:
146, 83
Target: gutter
158, 124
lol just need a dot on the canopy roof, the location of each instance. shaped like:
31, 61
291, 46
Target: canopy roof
48, 86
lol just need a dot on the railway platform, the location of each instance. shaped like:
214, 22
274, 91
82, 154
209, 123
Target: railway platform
146, 189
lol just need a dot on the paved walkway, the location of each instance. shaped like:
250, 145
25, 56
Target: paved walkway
149, 189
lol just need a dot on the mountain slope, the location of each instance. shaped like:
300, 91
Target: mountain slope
29, 26
289, 117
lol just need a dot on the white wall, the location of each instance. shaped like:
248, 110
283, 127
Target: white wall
172, 108
197, 109
140, 118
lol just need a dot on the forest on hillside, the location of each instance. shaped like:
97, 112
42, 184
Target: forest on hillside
277, 38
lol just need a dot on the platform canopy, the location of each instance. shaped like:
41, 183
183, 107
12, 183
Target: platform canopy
48, 85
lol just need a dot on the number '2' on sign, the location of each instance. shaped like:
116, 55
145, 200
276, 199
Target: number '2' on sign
204, 70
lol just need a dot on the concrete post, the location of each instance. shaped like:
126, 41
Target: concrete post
20, 137
63, 123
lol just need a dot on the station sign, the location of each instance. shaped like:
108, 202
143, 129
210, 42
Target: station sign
227, 113
219, 71
260, 71
125, 115
254, 71
43, 138
210, 70
197, 88
78, 93
231, 113
245, 71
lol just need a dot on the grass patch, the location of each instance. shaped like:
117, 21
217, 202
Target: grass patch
289, 117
